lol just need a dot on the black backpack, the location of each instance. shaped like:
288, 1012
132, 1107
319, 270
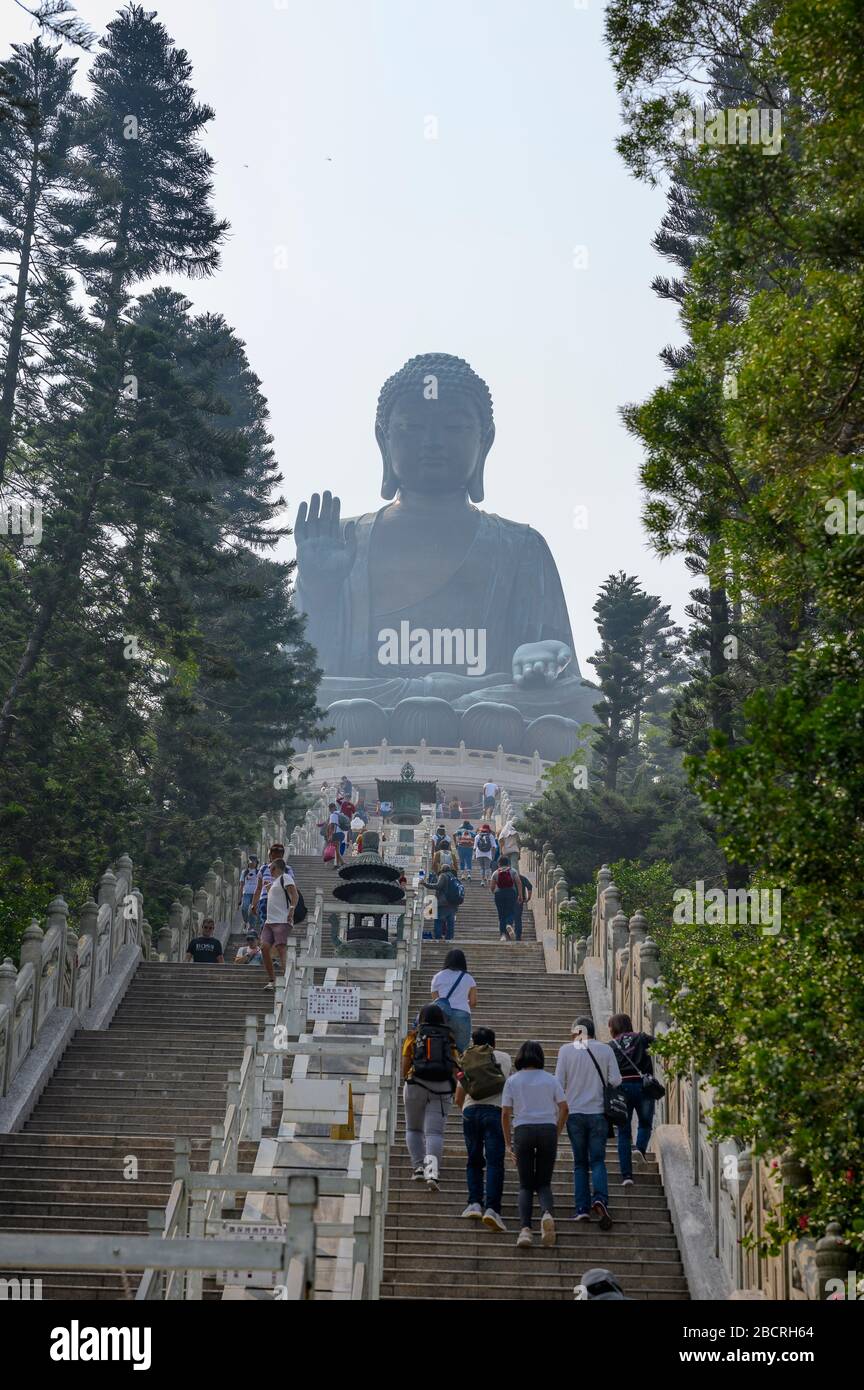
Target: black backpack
301, 911
484, 842
344, 822
433, 1054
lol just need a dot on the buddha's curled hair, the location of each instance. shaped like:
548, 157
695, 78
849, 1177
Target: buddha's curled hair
448, 371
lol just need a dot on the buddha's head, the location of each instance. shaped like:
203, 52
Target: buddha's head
434, 427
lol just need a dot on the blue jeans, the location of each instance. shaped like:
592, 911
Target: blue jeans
505, 902
634, 1092
517, 920
466, 854
245, 906
445, 923
484, 1139
587, 1134
459, 1023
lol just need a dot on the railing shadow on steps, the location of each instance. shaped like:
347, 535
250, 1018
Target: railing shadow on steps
739, 1192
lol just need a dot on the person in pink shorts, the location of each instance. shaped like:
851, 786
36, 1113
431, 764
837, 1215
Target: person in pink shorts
282, 898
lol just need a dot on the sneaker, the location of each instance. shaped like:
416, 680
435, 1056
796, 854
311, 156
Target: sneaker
511, 933
418, 1174
643, 1157
627, 1182
474, 1210
602, 1211
524, 1238
271, 984
430, 1172
493, 1220
582, 1216
547, 1229
502, 937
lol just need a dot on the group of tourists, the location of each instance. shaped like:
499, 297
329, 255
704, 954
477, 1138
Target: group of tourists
452, 861
516, 1106
271, 904
345, 824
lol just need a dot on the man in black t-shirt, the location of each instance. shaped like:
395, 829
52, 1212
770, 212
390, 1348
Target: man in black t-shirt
527, 891
206, 948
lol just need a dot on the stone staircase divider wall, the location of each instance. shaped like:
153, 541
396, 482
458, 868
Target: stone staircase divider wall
717, 1186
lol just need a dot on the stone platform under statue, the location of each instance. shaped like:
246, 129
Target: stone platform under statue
434, 620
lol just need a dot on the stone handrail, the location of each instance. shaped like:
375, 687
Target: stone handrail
67, 970
63, 967
740, 1192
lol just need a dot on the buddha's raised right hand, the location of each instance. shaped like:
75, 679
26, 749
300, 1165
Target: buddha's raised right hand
325, 547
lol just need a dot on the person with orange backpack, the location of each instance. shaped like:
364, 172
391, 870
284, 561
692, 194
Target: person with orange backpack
506, 887
429, 1062
464, 838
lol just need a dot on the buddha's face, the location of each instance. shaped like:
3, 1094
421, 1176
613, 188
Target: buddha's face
434, 445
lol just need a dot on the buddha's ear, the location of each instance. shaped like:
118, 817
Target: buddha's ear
389, 485
475, 484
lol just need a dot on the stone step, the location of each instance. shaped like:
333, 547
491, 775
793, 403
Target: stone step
547, 1264
585, 1238
525, 1287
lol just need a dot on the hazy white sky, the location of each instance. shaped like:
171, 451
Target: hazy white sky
396, 244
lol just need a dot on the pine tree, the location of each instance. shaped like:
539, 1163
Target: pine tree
148, 198
39, 230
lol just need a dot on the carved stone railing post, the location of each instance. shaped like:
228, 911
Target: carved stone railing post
617, 941
171, 944
604, 878
88, 927
31, 954
638, 933
200, 908
832, 1258
108, 897
58, 916
611, 906
648, 970
8, 976
146, 939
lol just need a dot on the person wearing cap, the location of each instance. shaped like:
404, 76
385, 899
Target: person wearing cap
441, 840
206, 949
584, 1068
250, 954
265, 878
248, 884
600, 1286
281, 902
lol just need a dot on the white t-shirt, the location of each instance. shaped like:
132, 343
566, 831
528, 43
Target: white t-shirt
485, 853
583, 1085
246, 951
250, 881
278, 901
505, 1062
534, 1097
490, 790
442, 982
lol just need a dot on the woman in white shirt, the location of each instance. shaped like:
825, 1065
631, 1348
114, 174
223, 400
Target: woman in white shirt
456, 993
533, 1114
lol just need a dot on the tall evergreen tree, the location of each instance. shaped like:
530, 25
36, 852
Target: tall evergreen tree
149, 200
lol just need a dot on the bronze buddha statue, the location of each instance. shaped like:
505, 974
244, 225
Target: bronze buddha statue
431, 617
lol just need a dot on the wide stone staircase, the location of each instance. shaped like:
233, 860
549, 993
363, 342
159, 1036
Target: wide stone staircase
97, 1152
431, 1252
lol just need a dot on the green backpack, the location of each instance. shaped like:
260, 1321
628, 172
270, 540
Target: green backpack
481, 1075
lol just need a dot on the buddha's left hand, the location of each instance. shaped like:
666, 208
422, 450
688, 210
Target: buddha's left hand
536, 663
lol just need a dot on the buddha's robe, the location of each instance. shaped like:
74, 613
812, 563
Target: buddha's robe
507, 587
